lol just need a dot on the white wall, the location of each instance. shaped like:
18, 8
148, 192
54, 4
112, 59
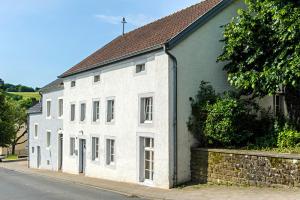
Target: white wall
196, 57
121, 82
54, 124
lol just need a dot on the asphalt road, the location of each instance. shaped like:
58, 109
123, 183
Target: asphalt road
15, 185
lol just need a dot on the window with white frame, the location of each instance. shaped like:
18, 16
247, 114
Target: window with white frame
73, 83
96, 78
95, 148
278, 104
140, 68
32, 149
48, 139
110, 151
60, 107
96, 110
72, 146
36, 129
146, 110
72, 117
82, 111
148, 158
110, 110
48, 108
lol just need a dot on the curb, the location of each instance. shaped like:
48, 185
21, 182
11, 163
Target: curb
127, 194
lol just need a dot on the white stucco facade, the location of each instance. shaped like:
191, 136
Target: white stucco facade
53, 124
121, 83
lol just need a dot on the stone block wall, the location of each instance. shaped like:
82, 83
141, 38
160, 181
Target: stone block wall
251, 168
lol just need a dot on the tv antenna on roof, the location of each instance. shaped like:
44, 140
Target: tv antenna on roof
123, 22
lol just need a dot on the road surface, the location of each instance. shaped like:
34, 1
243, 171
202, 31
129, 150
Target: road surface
15, 185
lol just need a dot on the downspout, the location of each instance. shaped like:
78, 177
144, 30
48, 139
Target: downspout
175, 169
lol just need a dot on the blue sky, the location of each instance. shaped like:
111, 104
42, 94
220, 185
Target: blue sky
40, 39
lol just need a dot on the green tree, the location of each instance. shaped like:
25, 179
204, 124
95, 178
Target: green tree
6, 118
262, 47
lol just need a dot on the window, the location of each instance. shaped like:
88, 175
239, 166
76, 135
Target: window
110, 110
95, 148
60, 107
48, 138
32, 149
72, 146
140, 68
96, 78
148, 158
73, 83
48, 108
110, 151
146, 112
72, 112
36, 128
82, 111
96, 111
278, 105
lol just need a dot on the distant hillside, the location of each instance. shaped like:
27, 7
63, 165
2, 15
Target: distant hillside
7, 87
27, 95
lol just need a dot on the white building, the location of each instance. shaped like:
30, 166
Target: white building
125, 107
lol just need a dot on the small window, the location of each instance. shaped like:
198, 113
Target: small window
60, 107
96, 111
73, 83
96, 78
110, 110
48, 138
110, 151
48, 108
278, 105
146, 113
82, 111
72, 146
32, 149
36, 129
140, 68
48, 162
95, 148
72, 112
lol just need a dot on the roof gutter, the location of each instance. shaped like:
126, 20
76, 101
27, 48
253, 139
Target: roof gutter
175, 143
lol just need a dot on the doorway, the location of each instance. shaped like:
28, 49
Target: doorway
60, 151
38, 157
82, 155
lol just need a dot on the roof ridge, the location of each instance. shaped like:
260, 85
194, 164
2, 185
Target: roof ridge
162, 18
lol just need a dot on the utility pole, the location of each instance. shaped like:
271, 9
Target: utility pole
123, 22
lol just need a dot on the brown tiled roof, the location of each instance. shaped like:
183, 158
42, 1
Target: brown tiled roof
146, 37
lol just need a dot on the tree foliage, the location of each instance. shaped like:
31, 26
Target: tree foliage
262, 47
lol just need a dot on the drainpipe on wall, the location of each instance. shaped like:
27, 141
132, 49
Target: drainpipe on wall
174, 114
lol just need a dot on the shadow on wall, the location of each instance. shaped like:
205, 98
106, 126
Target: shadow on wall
199, 167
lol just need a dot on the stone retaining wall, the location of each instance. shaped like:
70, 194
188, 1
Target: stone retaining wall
251, 168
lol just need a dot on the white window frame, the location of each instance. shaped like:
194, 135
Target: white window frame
141, 109
95, 149
96, 82
48, 109
108, 155
72, 146
36, 131
80, 111
72, 103
93, 110
60, 109
71, 83
140, 68
48, 139
113, 111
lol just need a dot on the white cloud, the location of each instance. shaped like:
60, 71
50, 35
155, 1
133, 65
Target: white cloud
136, 20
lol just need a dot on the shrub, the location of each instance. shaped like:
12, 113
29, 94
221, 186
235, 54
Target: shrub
288, 137
230, 121
196, 123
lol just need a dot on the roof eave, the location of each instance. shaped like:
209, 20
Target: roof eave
112, 61
197, 23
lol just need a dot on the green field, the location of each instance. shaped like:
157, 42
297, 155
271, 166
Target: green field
27, 94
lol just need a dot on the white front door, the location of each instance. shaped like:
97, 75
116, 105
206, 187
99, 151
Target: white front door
147, 159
